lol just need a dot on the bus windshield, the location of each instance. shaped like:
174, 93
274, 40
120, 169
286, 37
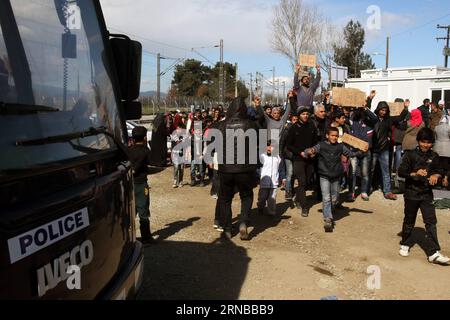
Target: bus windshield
54, 80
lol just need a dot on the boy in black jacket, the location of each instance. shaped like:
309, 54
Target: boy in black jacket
331, 172
421, 170
140, 160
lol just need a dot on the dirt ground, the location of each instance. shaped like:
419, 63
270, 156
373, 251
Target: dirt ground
293, 259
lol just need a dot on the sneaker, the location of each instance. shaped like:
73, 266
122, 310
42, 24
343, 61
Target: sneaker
352, 197
390, 196
404, 251
365, 197
328, 225
305, 213
438, 258
202, 184
215, 196
243, 232
216, 224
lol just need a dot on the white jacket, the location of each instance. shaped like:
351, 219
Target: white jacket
269, 171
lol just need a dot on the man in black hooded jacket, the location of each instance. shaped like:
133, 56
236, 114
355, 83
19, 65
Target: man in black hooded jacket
236, 171
382, 123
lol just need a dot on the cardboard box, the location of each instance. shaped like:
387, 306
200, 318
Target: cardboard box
355, 142
349, 97
396, 108
307, 60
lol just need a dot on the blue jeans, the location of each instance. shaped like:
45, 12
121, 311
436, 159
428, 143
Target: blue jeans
398, 156
142, 196
383, 157
330, 195
282, 171
195, 165
364, 164
289, 174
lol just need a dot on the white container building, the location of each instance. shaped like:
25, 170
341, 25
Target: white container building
413, 83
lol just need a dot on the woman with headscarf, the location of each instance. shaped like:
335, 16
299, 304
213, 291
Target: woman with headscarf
413, 127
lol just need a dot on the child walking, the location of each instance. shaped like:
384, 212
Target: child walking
420, 168
269, 182
331, 171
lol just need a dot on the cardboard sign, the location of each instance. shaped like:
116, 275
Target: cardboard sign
355, 142
396, 108
307, 60
349, 97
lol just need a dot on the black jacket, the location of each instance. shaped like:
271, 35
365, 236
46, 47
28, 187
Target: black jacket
425, 115
285, 153
400, 130
382, 136
418, 188
330, 162
237, 119
140, 160
301, 136
321, 127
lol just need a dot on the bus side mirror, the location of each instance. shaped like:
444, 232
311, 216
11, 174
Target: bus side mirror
128, 60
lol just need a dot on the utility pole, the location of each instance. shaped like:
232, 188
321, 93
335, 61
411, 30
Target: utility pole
224, 85
251, 87
221, 75
158, 82
284, 91
236, 93
261, 84
259, 90
446, 49
278, 91
273, 85
388, 40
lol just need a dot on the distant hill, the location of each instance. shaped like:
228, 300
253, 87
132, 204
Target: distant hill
152, 94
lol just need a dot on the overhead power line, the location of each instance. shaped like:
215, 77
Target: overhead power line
150, 40
414, 28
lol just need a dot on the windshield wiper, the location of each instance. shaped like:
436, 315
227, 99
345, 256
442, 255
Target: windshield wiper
72, 136
18, 109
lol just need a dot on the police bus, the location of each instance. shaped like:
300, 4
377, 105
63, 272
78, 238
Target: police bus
67, 86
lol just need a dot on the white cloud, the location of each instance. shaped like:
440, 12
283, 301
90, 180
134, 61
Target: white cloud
243, 25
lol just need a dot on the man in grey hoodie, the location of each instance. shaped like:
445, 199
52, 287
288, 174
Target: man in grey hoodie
276, 122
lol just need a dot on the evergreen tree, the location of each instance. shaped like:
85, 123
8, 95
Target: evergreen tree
350, 55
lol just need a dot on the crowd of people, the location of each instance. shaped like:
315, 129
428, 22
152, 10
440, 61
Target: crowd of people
408, 153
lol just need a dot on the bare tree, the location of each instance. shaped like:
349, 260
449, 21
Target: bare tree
330, 38
296, 28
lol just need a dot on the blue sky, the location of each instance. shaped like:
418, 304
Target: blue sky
174, 27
